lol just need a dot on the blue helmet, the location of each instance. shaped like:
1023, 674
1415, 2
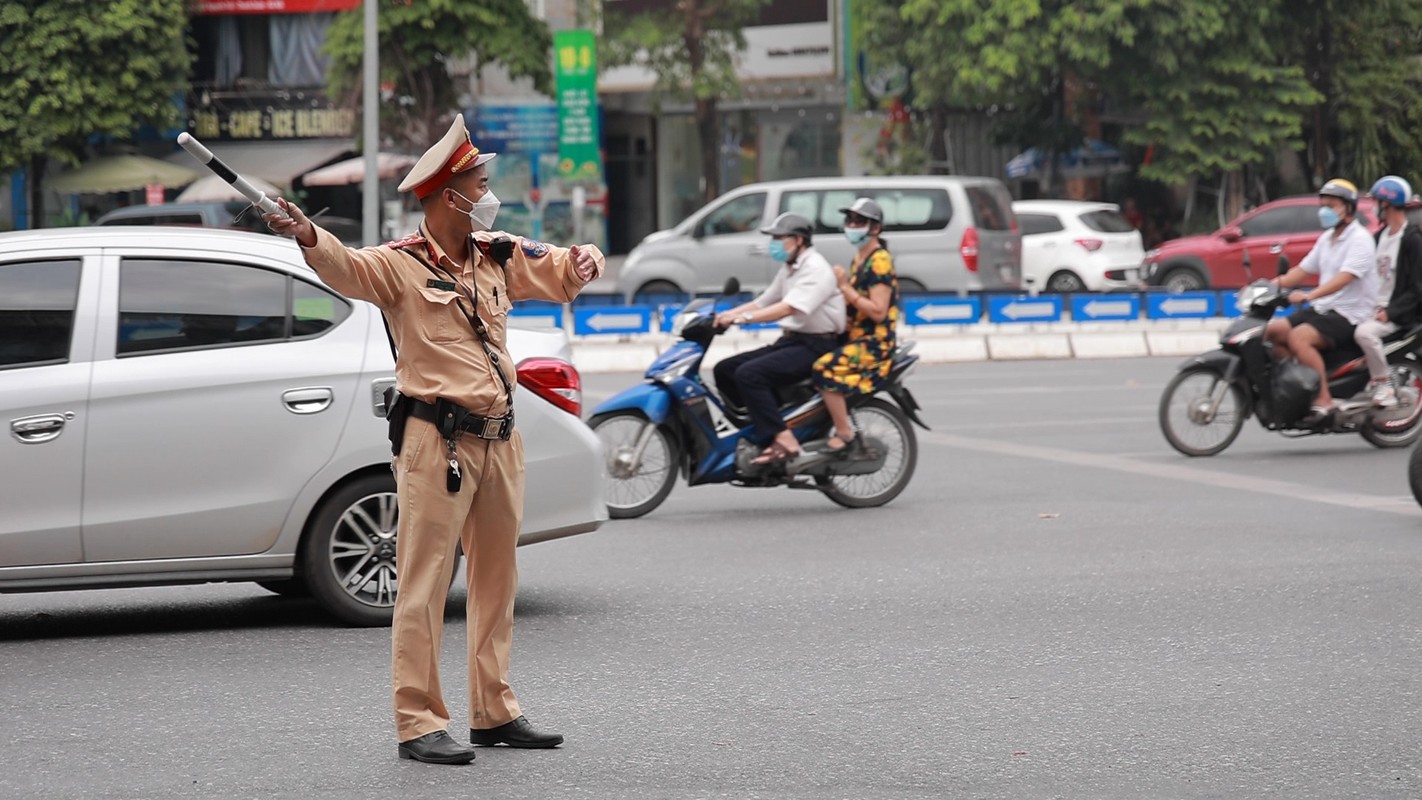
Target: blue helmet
1392, 190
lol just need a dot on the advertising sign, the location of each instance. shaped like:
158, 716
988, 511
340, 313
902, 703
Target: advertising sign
575, 60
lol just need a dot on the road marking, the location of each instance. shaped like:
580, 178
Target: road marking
1404, 506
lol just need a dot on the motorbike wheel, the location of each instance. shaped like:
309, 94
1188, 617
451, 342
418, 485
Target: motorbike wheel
635, 489
1414, 474
1400, 432
885, 423
1183, 413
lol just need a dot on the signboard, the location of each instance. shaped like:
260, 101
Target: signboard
942, 311
1184, 305
206, 7
579, 142
612, 319
1096, 307
256, 116
1006, 308
788, 39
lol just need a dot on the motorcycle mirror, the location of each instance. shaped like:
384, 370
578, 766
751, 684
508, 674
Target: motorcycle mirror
1283, 263
733, 286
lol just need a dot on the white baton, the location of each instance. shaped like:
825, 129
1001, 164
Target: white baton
212, 162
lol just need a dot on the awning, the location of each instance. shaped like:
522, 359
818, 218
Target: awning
277, 162
121, 174
352, 170
212, 189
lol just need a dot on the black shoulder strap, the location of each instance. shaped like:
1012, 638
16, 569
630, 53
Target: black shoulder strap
471, 314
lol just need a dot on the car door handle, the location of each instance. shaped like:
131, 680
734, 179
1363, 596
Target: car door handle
40, 428
759, 250
1276, 248
310, 400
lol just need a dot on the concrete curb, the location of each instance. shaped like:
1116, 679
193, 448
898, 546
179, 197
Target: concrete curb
942, 344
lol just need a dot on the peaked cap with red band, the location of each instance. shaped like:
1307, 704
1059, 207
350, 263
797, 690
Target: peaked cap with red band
450, 156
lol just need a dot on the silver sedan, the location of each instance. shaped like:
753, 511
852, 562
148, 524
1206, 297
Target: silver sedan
191, 405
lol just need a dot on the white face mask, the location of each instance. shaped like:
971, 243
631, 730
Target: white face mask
482, 213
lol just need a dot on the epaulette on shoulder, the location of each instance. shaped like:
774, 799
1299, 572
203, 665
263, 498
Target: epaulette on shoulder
409, 241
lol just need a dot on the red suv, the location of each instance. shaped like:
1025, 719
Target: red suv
1246, 249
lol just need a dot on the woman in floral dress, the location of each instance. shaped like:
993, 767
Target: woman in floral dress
871, 292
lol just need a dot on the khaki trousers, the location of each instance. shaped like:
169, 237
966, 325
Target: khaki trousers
484, 515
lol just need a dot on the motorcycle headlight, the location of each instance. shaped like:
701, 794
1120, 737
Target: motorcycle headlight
682, 319
676, 369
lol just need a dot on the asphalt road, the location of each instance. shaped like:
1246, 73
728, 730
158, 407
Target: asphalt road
1058, 606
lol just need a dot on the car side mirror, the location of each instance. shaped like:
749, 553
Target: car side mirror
1231, 233
733, 287
699, 230
1283, 263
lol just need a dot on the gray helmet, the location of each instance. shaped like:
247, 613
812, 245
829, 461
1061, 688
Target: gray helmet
790, 224
867, 209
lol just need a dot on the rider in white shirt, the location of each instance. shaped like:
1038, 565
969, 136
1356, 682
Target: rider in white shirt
1344, 259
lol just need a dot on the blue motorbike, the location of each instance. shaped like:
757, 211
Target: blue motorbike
674, 423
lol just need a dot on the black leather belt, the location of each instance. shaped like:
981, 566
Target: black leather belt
451, 417
801, 335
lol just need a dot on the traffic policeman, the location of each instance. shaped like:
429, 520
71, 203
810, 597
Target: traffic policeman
446, 293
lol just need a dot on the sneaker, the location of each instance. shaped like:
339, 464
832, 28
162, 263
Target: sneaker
1384, 395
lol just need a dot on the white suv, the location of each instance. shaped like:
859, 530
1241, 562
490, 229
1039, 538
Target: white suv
190, 405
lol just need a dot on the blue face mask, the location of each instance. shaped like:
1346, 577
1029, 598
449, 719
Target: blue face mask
857, 236
1327, 217
777, 250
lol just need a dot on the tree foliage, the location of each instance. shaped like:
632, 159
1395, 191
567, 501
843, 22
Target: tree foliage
690, 46
418, 39
1210, 87
76, 69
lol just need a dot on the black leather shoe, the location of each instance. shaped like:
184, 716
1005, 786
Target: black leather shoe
437, 748
519, 733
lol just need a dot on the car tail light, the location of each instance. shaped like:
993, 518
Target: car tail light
1090, 245
969, 248
554, 380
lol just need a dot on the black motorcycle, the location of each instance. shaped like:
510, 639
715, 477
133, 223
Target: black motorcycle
1204, 407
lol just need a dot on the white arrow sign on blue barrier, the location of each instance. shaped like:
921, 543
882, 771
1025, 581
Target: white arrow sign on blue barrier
1104, 307
549, 316
1023, 309
1181, 306
619, 319
942, 311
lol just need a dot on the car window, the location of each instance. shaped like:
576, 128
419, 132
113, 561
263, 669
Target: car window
1105, 221
991, 207
315, 309
172, 305
904, 209
1038, 223
1277, 221
157, 219
37, 301
739, 215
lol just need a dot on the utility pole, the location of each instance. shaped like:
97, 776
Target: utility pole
370, 131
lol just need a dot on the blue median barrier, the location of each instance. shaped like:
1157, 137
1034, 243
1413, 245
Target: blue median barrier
1009, 308
621, 320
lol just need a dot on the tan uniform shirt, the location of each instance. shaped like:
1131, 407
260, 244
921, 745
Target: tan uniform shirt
440, 354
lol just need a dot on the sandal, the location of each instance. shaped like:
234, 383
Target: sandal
846, 446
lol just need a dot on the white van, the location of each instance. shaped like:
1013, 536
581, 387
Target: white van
947, 233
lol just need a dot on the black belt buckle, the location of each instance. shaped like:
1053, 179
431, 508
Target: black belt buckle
494, 427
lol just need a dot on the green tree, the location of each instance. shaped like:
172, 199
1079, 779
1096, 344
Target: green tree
1363, 61
1211, 80
76, 69
691, 47
418, 39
